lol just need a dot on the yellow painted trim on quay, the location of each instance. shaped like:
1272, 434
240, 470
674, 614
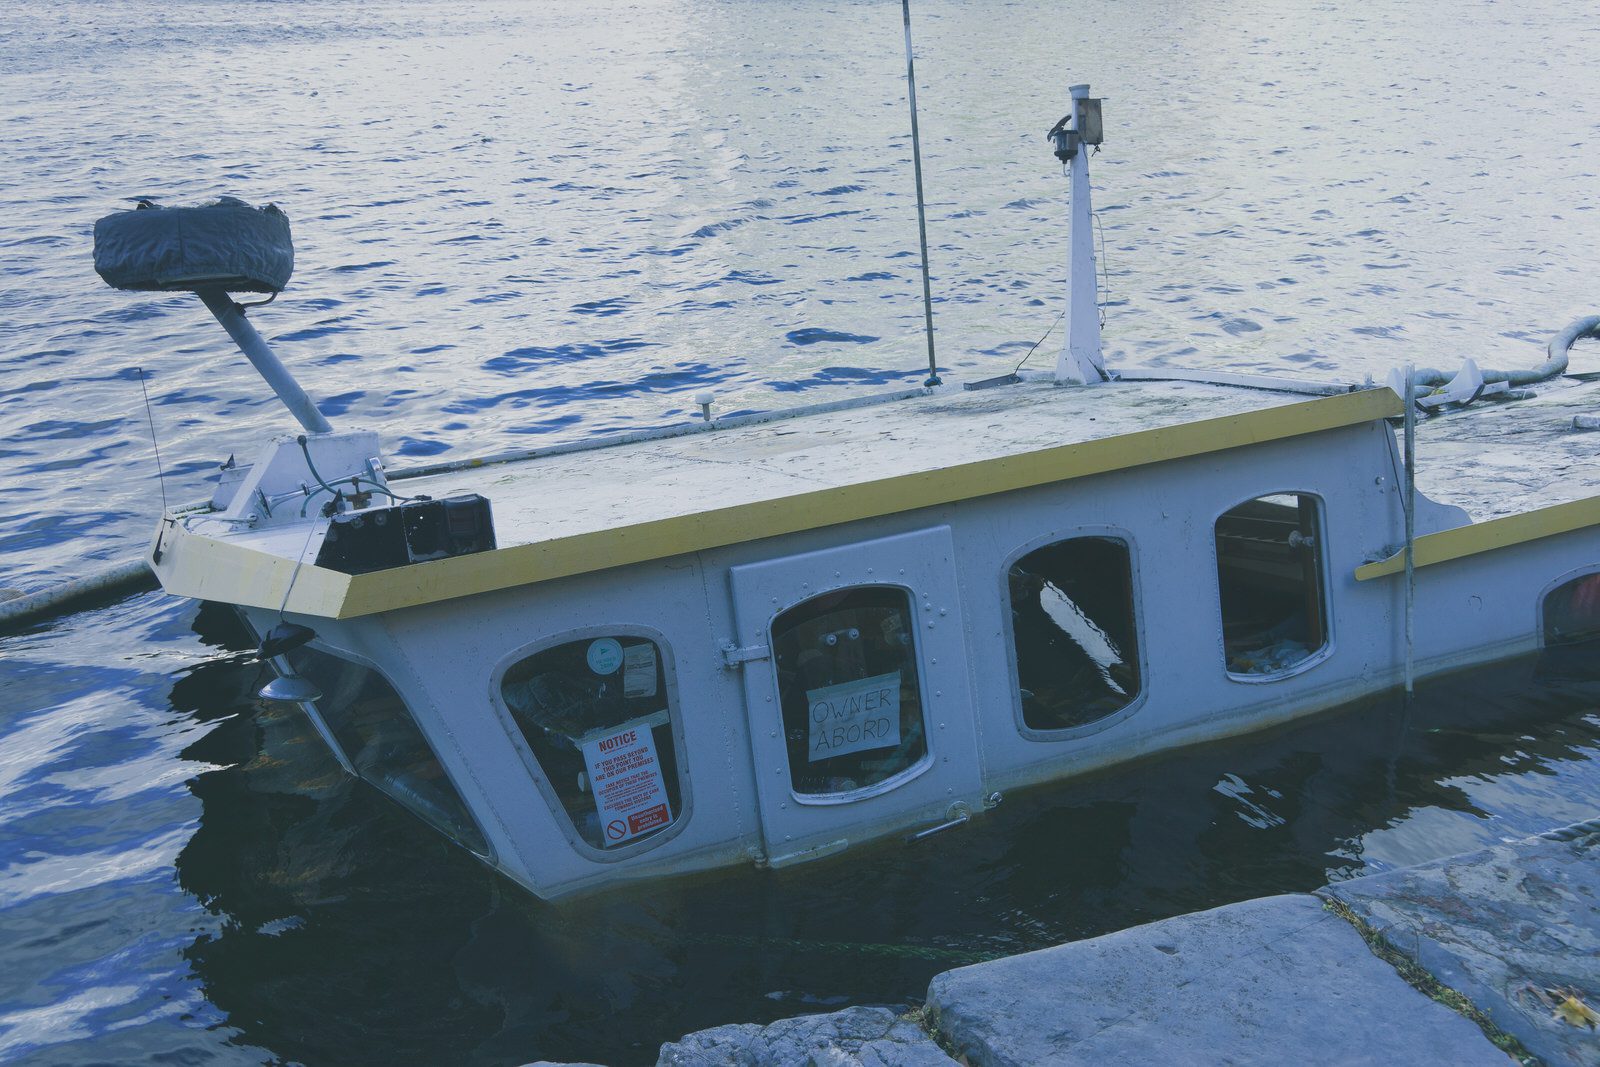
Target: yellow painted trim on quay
1486, 536
329, 594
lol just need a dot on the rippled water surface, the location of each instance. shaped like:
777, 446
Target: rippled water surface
525, 221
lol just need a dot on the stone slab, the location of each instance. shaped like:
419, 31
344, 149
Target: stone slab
1507, 927
1272, 981
854, 1037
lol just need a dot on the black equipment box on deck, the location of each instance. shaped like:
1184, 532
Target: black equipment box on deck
414, 532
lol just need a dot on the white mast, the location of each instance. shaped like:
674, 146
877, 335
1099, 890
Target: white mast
1081, 361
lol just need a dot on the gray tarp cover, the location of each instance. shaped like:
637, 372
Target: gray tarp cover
226, 243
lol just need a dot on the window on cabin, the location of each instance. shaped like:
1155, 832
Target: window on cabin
597, 716
1571, 627
1572, 612
1269, 574
374, 728
851, 698
1072, 620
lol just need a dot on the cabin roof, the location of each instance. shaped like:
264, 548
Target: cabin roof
920, 451
591, 510
1518, 469
1506, 458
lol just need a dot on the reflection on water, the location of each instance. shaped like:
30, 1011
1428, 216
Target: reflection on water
341, 929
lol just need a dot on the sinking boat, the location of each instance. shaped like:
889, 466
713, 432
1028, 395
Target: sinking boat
770, 638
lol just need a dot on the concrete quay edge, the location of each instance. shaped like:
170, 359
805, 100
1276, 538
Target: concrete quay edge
1514, 929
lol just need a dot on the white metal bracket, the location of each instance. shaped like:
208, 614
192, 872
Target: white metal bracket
734, 656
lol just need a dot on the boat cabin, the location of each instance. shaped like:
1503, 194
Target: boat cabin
769, 640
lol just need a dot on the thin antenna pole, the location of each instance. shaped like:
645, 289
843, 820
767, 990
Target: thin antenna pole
922, 211
161, 478
1409, 500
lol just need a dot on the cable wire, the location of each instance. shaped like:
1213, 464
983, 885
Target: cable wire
161, 478
1039, 342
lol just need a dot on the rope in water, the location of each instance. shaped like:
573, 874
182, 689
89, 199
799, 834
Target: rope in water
1587, 828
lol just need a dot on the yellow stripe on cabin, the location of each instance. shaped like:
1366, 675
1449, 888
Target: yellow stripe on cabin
1486, 536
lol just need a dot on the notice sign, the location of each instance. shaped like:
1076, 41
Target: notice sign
629, 791
855, 716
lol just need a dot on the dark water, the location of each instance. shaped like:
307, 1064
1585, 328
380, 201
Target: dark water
523, 221
192, 878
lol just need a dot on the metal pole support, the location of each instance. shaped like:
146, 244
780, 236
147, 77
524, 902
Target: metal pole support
255, 348
1081, 360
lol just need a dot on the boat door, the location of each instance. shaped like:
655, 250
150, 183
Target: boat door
856, 685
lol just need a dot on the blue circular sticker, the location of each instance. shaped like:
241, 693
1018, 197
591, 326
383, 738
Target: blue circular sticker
605, 656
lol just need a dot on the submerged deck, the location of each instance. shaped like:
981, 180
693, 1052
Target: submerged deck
1507, 457
1517, 468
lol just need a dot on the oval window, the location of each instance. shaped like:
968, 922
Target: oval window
1269, 576
374, 727
1073, 623
1572, 612
847, 679
597, 716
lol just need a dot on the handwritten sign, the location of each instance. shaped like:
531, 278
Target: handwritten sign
629, 790
855, 716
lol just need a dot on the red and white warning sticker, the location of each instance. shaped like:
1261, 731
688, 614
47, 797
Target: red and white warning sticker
629, 789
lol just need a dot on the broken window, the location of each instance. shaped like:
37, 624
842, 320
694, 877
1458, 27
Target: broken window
1571, 630
1269, 575
598, 718
1572, 612
847, 678
373, 726
1072, 618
